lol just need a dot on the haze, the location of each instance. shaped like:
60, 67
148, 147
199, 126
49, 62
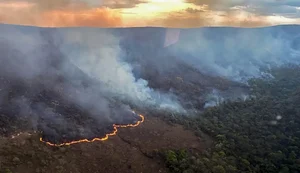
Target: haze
137, 13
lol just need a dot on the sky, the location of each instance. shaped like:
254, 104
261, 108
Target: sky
140, 13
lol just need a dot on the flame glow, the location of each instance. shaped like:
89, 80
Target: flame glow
97, 139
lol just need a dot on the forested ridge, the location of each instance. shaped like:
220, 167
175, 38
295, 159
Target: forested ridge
261, 134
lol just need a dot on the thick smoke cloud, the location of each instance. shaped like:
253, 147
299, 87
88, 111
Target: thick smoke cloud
71, 83
82, 79
236, 54
40, 85
98, 54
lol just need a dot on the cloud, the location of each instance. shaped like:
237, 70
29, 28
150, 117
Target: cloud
51, 5
287, 8
200, 18
283, 10
194, 10
100, 17
57, 14
62, 4
118, 13
214, 4
177, 20
204, 2
243, 19
116, 4
60, 13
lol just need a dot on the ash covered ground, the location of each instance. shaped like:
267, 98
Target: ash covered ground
74, 83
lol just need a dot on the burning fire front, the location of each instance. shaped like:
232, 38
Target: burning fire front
115, 127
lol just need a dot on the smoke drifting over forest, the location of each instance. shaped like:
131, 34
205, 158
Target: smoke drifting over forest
85, 79
238, 54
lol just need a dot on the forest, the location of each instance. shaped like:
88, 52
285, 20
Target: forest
260, 134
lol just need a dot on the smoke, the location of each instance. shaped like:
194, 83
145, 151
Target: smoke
71, 83
103, 61
213, 99
216, 97
236, 54
77, 82
40, 85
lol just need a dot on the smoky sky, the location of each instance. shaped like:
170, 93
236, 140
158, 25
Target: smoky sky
125, 13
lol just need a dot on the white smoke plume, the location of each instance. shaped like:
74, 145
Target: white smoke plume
236, 54
216, 97
40, 84
98, 54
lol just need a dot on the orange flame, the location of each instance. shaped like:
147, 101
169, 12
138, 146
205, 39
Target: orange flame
97, 139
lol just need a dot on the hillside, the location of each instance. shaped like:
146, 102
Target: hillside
69, 84
257, 135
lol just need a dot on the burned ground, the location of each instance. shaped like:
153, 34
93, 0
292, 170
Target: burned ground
132, 150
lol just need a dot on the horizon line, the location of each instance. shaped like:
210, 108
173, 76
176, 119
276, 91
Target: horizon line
120, 27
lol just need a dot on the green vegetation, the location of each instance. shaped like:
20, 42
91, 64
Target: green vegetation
177, 161
6, 170
261, 134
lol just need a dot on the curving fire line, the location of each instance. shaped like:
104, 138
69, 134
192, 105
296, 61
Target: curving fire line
97, 139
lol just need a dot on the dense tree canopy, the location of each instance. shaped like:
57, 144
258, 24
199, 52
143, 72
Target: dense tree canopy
261, 134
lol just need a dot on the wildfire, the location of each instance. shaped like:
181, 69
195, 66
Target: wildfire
97, 139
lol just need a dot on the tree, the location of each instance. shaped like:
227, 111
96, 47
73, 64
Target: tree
218, 169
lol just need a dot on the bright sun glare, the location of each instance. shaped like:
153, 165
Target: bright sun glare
156, 7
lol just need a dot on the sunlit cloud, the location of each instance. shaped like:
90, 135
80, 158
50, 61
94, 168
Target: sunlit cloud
16, 5
31, 15
165, 13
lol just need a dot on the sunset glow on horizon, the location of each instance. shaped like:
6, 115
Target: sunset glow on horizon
135, 13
